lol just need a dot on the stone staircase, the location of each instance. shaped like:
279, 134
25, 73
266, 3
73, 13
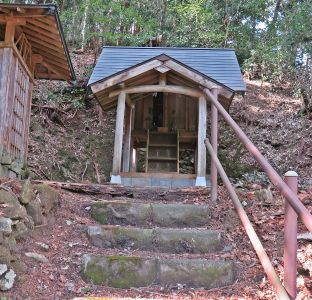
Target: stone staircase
163, 230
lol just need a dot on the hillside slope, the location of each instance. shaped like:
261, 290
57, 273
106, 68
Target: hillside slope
71, 139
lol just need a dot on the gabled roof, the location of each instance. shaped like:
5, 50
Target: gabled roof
44, 32
219, 65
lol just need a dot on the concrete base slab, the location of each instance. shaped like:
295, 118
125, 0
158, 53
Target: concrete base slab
200, 181
116, 179
163, 180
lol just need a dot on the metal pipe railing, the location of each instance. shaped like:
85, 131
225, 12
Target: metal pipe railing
254, 239
290, 196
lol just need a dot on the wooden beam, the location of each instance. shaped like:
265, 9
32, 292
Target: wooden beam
163, 79
54, 70
201, 148
46, 27
38, 42
17, 20
159, 89
129, 101
9, 33
97, 87
119, 134
162, 69
5, 10
190, 74
42, 50
53, 41
43, 32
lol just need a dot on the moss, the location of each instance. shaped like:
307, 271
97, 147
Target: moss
118, 258
96, 273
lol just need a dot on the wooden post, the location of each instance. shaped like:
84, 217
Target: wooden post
118, 138
214, 143
133, 159
201, 149
10, 32
127, 140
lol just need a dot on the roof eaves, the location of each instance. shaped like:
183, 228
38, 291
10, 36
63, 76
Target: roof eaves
162, 56
53, 11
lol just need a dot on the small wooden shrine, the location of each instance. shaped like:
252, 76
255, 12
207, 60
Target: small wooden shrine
161, 108
32, 46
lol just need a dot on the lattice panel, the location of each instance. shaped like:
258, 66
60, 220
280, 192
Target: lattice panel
21, 95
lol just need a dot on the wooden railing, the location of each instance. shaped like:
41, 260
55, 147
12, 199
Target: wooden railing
24, 48
293, 207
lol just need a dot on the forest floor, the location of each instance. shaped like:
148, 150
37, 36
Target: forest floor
66, 236
71, 140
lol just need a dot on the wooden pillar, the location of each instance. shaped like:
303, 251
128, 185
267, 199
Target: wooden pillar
118, 138
214, 143
133, 158
127, 141
201, 148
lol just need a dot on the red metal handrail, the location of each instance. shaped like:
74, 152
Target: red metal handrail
254, 239
293, 205
290, 196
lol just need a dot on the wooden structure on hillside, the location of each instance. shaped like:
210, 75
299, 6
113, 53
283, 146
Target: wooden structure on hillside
161, 108
32, 46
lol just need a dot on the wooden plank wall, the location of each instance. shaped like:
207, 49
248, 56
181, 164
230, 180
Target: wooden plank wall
180, 112
15, 107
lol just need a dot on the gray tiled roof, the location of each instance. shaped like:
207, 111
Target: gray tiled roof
220, 65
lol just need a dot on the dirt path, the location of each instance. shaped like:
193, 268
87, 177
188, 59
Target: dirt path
66, 237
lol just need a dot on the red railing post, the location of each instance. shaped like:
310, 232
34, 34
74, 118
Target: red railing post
290, 239
214, 143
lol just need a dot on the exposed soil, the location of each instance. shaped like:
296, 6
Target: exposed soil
71, 140
66, 236
69, 128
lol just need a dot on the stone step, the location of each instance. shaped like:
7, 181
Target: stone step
127, 272
144, 214
170, 240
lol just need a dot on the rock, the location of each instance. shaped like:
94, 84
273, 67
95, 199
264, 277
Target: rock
37, 256
19, 266
5, 255
196, 272
21, 230
160, 239
5, 225
165, 215
180, 215
306, 236
121, 237
3, 269
264, 195
34, 210
28, 193
127, 271
121, 212
43, 246
68, 222
48, 197
10, 242
13, 209
119, 271
7, 278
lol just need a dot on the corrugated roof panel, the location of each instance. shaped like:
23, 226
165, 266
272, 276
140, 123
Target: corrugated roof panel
220, 65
